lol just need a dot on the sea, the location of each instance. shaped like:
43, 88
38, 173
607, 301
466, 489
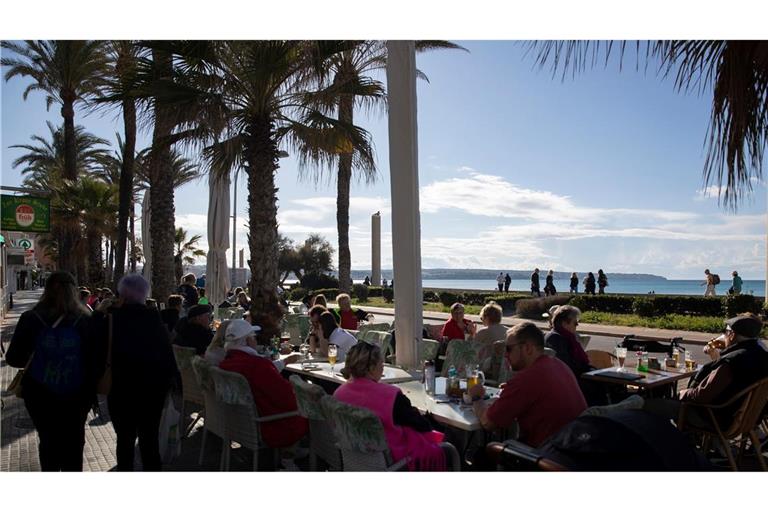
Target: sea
616, 285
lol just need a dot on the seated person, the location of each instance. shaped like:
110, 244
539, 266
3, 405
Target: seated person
203, 299
490, 315
347, 317
332, 334
563, 340
407, 432
740, 364
215, 352
188, 290
194, 329
244, 301
272, 394
170, 315
319, 300
542, 396
315, 331
457, 326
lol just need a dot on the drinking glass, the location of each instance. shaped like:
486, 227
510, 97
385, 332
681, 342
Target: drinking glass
304, 350
332, 353
621, 355
690, 364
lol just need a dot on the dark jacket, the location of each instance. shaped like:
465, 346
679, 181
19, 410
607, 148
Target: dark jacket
562, 348
30, 325
190, 295
535, 280
170, 318
192, 335
142, 358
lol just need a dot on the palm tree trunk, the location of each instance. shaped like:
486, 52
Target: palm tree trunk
95, 259
133, 236
261, 161
111, 262
126, 186
70, 231
346, 111
161, 184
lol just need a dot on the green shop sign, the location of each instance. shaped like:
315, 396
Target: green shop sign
25, 213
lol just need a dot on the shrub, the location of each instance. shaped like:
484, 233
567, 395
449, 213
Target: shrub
298, 293
388, 294
507, 302
360, 291
330, 293
605, 303
737, 304
374, 291
533, 308
318, 281
449, 298
430, 296
687, 305
644, 307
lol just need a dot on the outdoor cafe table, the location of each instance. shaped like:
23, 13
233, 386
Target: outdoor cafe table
322, 371
650, 380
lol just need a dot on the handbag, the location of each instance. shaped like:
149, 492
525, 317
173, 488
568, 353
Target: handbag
15, 386
105, 382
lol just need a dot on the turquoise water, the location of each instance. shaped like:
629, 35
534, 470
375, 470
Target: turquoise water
617, 285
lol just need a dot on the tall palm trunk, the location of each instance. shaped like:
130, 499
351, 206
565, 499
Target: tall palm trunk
126, 186
346, 112
161, 199
110, 262
133, 236
95, 258
70, 233
261, 160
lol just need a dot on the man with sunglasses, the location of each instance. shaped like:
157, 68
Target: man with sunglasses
542, 396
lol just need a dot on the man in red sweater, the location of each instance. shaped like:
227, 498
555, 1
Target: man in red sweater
542, 396
272, 394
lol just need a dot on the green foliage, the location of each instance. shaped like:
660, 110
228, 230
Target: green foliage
430, 296
605, 303
330, 293
737, 304
298, 293
673, 321
534, 307
388, 294
508, 302
319, 281
374, 291
360, 291
643, 307
449, 298
687, 305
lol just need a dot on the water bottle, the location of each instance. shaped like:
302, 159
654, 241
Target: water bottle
453, 382
429, 377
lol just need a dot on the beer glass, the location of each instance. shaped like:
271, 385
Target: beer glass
621, 355
332, 353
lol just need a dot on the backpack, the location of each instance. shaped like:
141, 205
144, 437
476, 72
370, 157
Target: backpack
57, 363
715, 279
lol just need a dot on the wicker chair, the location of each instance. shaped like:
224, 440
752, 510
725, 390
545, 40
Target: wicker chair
383, 326
744, 424
191, 391
380, 338
214, 418
427, 349
241, 418
322, 440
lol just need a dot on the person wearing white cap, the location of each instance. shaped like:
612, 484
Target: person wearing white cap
272, 394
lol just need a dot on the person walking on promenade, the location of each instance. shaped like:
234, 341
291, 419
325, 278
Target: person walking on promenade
143, 372
500, 281
589, 283
574, 283
535, 289
711, 281
507, 282
602, 281
736, 285
549, 287
63, 364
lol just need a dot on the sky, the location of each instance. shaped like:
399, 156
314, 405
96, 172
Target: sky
517, 169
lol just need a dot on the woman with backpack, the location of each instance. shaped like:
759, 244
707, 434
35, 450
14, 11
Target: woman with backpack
62, 366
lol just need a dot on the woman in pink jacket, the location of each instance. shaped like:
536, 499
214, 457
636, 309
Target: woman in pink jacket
408, 433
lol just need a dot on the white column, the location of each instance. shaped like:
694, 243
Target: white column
376, 249
404, 180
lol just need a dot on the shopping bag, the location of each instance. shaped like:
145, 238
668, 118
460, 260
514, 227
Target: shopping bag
169, 439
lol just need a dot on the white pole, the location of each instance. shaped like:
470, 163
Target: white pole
234, 232
376, 249
404, 185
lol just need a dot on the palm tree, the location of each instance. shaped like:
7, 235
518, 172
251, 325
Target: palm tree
735, 71
68, 72
121, 89
353, 86
186, 251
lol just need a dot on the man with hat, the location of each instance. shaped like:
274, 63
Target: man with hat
194, 330
740, 364
272, 394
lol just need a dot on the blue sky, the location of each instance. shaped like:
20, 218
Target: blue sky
517, 169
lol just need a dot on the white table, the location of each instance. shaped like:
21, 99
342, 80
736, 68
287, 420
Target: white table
454, 415
392, 375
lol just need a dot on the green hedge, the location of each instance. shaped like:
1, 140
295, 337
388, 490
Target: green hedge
330, 293
360, 291
737, 304
508, 302
374, 291
430, 296
533, 308
297, 293
388, 294
621, 304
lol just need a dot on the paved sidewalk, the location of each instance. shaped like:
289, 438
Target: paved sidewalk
618, 331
